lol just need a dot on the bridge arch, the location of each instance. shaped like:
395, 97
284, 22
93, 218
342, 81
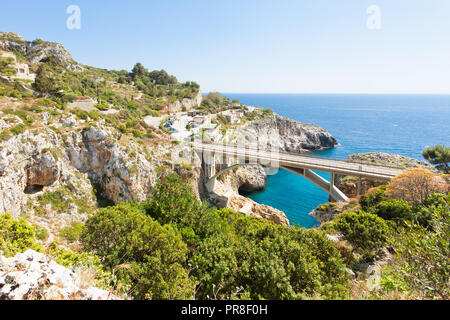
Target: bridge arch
309, 175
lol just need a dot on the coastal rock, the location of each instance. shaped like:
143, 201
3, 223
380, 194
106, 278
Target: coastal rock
285, 135
32, 276
250, 208
326, 212
226, 192
251, 178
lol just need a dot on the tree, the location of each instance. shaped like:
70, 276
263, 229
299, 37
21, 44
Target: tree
43, 83
172, 202
138, 71
438, 155
372, 198
414, 185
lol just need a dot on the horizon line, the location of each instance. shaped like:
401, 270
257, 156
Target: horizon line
334, 93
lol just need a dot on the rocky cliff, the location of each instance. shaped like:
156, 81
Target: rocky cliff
250, 178
38, 50
282, 134
286, 135
185, 104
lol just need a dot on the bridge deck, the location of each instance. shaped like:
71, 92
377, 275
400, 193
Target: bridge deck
301, 161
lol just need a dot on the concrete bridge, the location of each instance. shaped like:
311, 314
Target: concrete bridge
217, 159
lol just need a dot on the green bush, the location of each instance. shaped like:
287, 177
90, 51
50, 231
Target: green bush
154, 245
56, 199
145, 255
172, 202
421, 256
366, 231
398, 211
16, 236
268, 261
372, 198
101, 107
72, 233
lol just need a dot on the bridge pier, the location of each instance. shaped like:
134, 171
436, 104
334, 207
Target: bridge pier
327, 186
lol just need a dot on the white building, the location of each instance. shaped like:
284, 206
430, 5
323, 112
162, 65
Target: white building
233, 116
22, 69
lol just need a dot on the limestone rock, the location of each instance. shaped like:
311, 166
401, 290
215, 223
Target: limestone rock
44, 172
251, 178
251, 208
326, 212
185, 104
38, 50
285, 135
68, 121
32, 276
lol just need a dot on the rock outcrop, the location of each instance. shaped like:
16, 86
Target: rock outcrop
251, 177
44, 172
285, 135
326, 212
185, 104
33, 276
39, 50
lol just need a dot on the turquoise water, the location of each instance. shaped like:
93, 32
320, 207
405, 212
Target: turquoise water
402, 124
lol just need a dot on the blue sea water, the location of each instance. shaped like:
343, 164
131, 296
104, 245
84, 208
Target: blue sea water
401, 124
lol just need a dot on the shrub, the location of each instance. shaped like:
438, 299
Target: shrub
144, 255
268, 261
72, 233
422, 256
372, 198
172, 202
101, 107
16, 236
18, 129
396, 210
413, 185
364, 230
56, 199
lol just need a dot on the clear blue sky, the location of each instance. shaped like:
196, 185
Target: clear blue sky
286, 46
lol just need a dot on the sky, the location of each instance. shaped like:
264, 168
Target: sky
256, 46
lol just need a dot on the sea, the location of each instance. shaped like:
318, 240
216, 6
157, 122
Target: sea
401, 124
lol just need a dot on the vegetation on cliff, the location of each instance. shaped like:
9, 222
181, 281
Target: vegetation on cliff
411, 225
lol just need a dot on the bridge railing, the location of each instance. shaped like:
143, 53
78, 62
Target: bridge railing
309, 155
